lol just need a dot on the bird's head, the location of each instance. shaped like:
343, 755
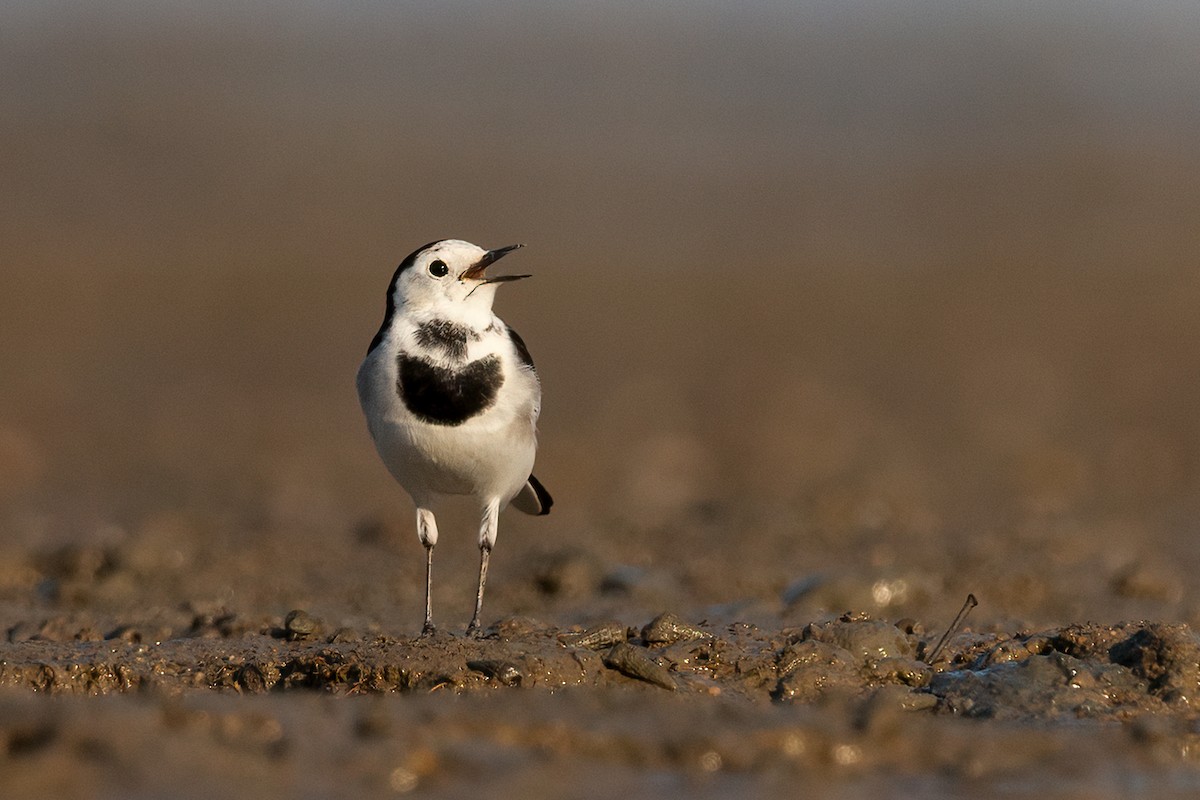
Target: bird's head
449, 277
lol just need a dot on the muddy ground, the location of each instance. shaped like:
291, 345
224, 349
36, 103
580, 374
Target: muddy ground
193, 700
843, 311
843, 706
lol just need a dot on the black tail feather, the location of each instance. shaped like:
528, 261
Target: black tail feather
544, 498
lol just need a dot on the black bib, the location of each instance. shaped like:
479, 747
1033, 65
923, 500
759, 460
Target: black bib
443, 396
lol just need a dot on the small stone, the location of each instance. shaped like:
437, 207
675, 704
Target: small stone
515, 627
667, 628
300, 625
597, 637
864, 638
345, 636
636, 662
505, 673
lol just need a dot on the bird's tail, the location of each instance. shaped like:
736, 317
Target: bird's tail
533, 498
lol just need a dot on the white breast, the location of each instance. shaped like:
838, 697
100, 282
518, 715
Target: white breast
489, 455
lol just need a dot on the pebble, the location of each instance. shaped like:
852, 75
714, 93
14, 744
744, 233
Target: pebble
300, 625
345, 636
865, 639
505, 673
667, 628
597, 637
516, 627
636, 662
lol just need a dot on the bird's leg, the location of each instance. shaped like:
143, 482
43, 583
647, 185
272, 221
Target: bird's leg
474, 628
427, 532
429, 627
487, 539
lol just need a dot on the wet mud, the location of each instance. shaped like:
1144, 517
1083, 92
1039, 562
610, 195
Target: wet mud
1080, 671
847, 703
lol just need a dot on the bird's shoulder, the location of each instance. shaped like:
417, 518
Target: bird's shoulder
518, 344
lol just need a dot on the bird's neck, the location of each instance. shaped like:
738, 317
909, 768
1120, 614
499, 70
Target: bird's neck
464, 315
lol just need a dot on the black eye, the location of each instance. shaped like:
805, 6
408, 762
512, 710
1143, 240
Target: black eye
438, 269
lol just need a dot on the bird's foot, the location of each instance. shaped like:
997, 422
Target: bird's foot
475, 630
429, 630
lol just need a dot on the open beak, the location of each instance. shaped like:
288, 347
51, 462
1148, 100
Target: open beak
475, 271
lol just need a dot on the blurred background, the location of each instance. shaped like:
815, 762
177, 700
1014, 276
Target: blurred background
836, 304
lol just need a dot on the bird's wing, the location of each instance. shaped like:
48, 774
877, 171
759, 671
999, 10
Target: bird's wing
519, 344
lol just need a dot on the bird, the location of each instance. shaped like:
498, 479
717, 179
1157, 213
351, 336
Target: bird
451, 397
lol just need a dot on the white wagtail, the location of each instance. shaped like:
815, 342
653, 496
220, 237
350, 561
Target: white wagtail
451, 396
